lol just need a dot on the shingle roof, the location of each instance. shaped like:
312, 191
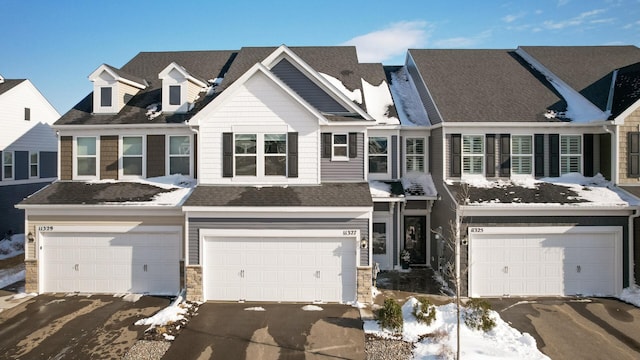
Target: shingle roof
9, 84
542, 193
81, 193
627, 89
485, 86
587, 69
330, 194
147, 65
126, 75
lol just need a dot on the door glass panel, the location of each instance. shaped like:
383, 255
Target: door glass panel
379, 238
414, 238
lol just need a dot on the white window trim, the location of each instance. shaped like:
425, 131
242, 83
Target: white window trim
407, 155
75, 159
37, 164
13, 165
378, 175
168, 154
121, 157
260, 157
530, 155
579, 156
335, 157
481, 155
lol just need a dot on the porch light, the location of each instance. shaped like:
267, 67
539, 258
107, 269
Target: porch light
30, 237
364, 243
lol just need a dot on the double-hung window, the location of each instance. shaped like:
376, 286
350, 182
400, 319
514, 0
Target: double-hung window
378, 155
570, 154
7, 165
521, 154
246, 154
106, 95
414, 154
132, 156
34, 164
472, 154
86, 156
174, 95
180, 155
340, 147
275, 154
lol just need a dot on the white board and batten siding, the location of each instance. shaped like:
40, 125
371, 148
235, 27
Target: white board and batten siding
260, 106
19, 134
545, 261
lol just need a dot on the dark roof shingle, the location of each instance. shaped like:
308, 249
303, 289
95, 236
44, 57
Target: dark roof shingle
81, 193
9, 84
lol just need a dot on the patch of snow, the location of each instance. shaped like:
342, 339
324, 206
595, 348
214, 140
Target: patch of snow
409, 106
129, 297
172, 313
9, 276
379, 189
312, 308
375, 292
180, 184
378, 100
413, 179
168, 337
12, 247
503, 342
22, 295
255, 308
154, 110
631, 295
355, 95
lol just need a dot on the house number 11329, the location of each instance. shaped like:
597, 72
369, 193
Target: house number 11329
45, 228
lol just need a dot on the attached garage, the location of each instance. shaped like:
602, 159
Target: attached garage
139, 260
280, 265
545, 261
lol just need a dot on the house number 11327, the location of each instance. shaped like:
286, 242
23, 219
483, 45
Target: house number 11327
349, 232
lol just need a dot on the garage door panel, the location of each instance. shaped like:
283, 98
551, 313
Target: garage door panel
544, 264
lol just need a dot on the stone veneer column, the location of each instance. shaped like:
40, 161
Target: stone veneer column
31, 276
364, 285
194, 283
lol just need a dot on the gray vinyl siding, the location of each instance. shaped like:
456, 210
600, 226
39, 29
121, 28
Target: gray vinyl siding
394, 157
395, 234
12, 218
541, 222
423, 92
306, 88
21, 165
195, 224
352, 170
48, 164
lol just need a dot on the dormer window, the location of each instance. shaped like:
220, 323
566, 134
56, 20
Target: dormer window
179, 88
113, 88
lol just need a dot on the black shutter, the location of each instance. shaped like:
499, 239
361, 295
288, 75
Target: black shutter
554, 155
326, 145
1, 166
490, 155
353, 145
505, 155
456, 156
292, 154
588, 155
227, 154
538, 153
633, 146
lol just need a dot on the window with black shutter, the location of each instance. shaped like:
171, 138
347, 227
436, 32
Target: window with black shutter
633, 154
456, 155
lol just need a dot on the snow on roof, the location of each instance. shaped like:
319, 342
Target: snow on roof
355, 95
409, 106
573, 188
180, 185
378, 100
418, 184
379, 189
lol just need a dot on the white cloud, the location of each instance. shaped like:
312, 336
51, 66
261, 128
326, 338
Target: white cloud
392, 41
563, 2
513, 17
575, 21
632, 25
462, 41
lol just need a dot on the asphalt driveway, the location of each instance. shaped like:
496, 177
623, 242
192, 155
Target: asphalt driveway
281, 331
74, 327
576, 328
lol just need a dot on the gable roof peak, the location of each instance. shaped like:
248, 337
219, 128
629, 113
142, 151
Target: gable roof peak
119, 75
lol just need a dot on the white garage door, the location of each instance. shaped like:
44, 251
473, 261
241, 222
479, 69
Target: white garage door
279, 269
574, 261
111, 262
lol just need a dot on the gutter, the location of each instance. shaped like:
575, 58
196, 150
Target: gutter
632, 266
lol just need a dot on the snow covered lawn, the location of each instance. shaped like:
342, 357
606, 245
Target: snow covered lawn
166, 323
12, 247
438, 340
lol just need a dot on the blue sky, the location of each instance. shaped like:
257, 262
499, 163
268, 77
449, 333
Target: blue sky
57, 44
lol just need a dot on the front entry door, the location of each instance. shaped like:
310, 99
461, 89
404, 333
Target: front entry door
415, 238
381, 246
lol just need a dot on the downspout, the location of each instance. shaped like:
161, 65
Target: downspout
632, 266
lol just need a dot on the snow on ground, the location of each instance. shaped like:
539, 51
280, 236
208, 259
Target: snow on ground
410, 108
312, 308
11, 275
256, 308
631, 295
503, 342
12, 247
172, 313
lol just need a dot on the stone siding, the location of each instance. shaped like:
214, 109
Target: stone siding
364, 285
194, 283
31, 276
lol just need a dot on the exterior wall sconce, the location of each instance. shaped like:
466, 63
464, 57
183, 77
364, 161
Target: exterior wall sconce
364, 243
30, 237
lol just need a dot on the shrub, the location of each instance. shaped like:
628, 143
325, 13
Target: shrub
390, 316
424, 310
477, 315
